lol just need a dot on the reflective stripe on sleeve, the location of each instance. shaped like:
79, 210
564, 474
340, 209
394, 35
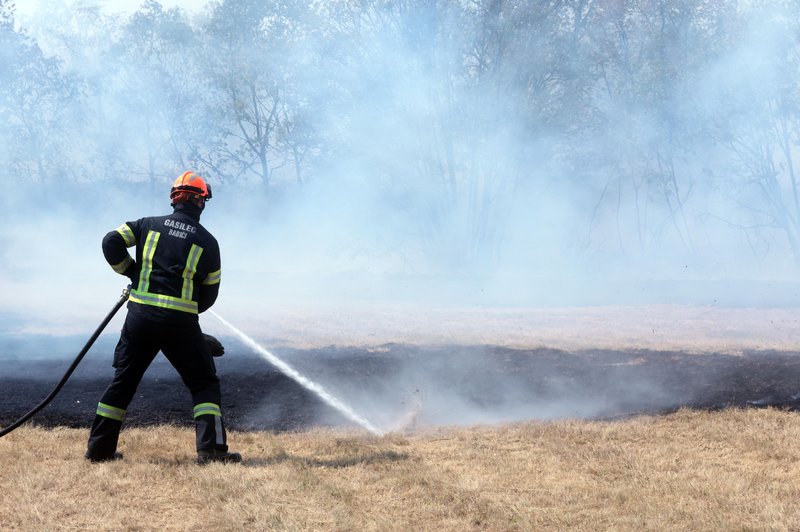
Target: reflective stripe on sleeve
111, 412
127, 235
213, 277
122, 266
204, 409
162, 301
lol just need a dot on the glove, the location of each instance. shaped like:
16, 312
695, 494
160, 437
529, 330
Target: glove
214, 345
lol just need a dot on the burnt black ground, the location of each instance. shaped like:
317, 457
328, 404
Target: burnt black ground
452, 385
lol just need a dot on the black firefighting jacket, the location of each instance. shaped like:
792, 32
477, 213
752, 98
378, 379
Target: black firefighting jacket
176, 273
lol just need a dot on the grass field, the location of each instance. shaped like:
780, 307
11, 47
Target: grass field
725, 470
729, 470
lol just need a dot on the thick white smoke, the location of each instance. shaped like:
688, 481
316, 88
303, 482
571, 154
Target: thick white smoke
543, 179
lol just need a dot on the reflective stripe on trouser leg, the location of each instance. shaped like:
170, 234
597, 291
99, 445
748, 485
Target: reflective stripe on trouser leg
111, 412
207, 408
201, 411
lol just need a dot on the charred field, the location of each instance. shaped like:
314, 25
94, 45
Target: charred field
402, 386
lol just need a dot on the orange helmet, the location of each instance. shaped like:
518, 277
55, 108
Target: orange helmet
187, 185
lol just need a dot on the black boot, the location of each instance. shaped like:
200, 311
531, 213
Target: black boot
224, 457
107, 458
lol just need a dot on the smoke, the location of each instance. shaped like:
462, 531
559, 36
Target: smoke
400, 388
471, 192
451, 155
498, 189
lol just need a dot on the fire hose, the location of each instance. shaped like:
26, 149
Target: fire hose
124, 297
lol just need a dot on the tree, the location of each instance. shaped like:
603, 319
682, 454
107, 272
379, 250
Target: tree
151, 92
37, 105
758, 120
253, 96
653, 56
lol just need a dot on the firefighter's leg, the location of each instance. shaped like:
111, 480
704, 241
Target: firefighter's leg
188, 352
134, 353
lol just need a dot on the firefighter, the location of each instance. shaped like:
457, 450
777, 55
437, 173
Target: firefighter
175, 277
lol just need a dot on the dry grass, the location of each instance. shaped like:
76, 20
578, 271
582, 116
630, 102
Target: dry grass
737, 469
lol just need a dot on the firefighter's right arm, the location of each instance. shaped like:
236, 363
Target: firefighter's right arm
115, 250
209, 290
209, 287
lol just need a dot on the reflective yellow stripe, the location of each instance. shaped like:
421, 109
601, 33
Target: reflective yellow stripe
160, 300
207, 408
127, 235
143, 296
213, 277
122, 266
111, 412
189, 271
149, 250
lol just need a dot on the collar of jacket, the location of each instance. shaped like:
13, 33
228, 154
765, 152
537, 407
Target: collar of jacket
189, 209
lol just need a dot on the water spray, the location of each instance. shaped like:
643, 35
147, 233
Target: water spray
303, 381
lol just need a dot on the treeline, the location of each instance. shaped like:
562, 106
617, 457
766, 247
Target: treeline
605, 127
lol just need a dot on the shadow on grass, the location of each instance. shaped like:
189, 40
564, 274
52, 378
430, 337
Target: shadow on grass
346, 461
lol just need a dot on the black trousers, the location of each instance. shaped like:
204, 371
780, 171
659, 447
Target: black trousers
183, 344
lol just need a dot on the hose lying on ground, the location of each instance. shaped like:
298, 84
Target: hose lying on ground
46, 401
